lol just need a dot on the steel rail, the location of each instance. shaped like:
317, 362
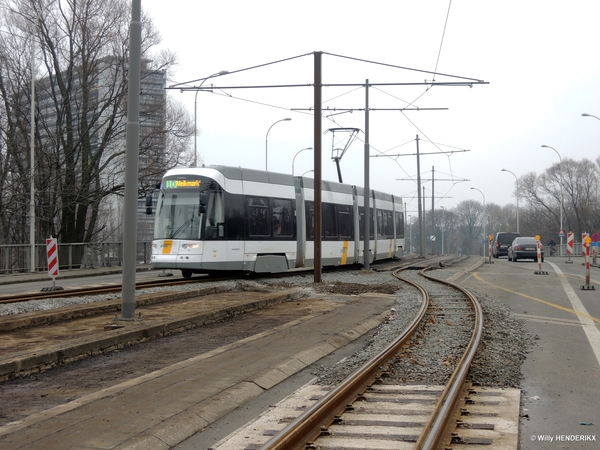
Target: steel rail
16, 298
309, 424
72, 292
434, 430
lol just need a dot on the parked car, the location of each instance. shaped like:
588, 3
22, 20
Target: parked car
502, 242
524, 248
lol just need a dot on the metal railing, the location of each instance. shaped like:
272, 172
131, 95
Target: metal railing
16, 258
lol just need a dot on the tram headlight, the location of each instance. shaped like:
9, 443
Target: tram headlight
190, 246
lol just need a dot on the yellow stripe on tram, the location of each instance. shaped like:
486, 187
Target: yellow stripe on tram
168, 243
345, 252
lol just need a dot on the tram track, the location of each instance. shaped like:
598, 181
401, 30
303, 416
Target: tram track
173, 282
365, 410
97, 290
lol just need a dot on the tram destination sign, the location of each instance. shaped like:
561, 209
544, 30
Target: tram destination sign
182, 184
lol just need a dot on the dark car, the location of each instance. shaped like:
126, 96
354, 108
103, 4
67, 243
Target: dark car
502, 242
525, 248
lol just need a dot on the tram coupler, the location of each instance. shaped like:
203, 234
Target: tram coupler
165, 274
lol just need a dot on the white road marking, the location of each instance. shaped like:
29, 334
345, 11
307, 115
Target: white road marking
589, 327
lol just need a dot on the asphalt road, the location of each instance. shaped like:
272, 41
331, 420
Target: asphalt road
561, 375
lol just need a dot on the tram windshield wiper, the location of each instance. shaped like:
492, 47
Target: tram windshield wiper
184, 225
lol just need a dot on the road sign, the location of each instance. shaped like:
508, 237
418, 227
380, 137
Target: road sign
561, 234
596, 237
570, 244
583, 238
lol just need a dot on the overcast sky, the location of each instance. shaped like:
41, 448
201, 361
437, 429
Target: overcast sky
540, 58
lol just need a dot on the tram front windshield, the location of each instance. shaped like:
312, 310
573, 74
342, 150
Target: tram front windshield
177, 210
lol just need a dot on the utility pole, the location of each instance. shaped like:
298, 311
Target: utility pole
367, 197
432, 207
420, 212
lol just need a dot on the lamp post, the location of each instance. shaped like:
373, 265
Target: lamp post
517, 184
483, 218
589, 115
218, 74
287, 119
562, 202
294, 159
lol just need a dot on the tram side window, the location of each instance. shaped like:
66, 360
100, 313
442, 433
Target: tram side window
258, 217
345, 221
336, 221
361, 223
380, 224
329, 223
310, 220
388, 224
399, 225
215, 217
283, 224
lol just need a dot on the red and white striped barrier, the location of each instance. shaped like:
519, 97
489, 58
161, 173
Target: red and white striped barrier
539, 257
587, 245
52, 255
570, 245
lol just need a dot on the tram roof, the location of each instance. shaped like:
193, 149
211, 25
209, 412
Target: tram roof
240, 173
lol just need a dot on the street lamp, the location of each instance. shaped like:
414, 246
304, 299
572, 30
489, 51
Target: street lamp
483, 218
562, 202
517, 184
218, 74
589, 115
267, 138
294, 159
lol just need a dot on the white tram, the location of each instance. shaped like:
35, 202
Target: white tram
220, 218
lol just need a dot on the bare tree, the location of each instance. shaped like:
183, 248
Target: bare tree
468, 214
575, 184
81, 109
